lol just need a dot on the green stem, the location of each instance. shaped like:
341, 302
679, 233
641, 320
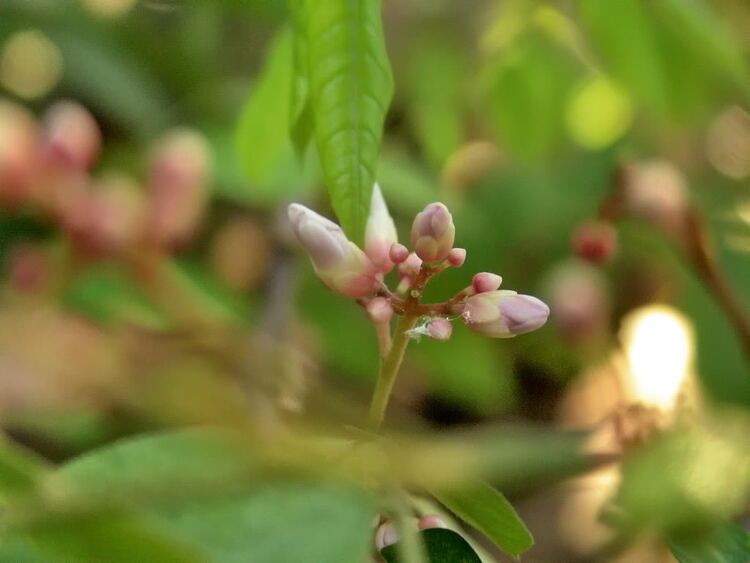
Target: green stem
389, 367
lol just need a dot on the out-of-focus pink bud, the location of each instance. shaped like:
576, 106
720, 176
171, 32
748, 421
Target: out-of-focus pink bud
72, 138
385, 535
485, 281
380, 234
440, 329
578, 294
431, 521
657, 191
178, 187
19, 139
504, 313
28, 268
339, 263
398, 253
433, 233
457, 257
109, 219
379, 310
595, 242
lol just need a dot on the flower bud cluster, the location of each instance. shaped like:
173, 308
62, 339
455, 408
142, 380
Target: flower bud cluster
350, 271
47, 165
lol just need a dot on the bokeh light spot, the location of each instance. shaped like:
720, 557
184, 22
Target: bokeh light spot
30, 64
598, 114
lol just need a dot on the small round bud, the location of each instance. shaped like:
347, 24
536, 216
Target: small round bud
431, 521
439, 329
595, 242
411, 266
72, 136
398, 253
385, 535
504, 313
433, 233
457, 257
485, 281
379, 310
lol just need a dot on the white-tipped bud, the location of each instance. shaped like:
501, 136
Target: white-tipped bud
456, 257
380, 233
433, 233
410, 267
485, 281
431, 521
339, 263
398, 253
379, 310
439, 329
385, 535
504, 313
72, 137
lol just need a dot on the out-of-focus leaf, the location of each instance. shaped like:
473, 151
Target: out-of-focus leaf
301, 119
526, 87
624, 37
350, 88
434, 78
442, 546
728, 543
20, 471
485, 508
262, 136
261, 522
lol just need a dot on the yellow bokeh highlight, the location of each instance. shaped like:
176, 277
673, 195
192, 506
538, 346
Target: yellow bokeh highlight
659, 347
598, 113
30, 64
108, 8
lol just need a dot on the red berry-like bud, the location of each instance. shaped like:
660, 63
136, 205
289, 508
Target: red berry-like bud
485, 281
457, 257
72, 138
398, 253
595, 242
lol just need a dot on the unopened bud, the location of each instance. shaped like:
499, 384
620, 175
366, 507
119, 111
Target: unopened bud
410, 267
380, 234
595, 242
28, 268
339, 263
439, 329
398, 253
385, 535
178, 188
504, 313
433, 233
657, 191
379, 310
19, 137
578, 294
485, 281
456, 257
72, 138
431, 521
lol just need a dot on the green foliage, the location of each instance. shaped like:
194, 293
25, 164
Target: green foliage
727, 543
350, 88
485, 508
442, 546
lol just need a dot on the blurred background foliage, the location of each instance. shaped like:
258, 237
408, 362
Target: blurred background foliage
517, 114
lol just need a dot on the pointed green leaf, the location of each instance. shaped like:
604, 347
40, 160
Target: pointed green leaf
489, 511
727, 543
350, 88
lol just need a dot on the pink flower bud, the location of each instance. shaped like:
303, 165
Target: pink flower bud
19, 138
504, 313
485, 281
379, 310
398, 253
431, 521
433, 233
439, 329
339, 263
385, 535
72, 136
178, 187
380, 234
410, 267
457, 257
657, 191
595, 242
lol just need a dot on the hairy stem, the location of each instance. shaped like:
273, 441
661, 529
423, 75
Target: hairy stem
389, 367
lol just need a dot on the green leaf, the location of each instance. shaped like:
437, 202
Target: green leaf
489, 511
300, 118
202, 486
442, 545
20, 470
727, 543
350, 88
624, 37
